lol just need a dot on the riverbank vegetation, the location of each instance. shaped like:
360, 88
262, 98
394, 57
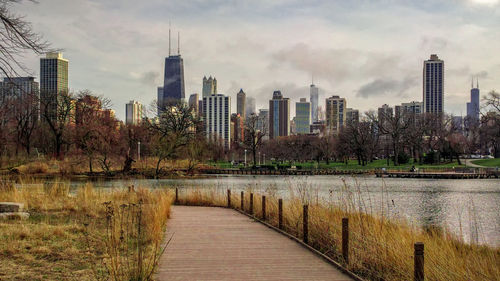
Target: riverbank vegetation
381, 246
495, 162
86, 235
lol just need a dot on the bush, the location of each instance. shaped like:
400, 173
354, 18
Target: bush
430, 157
403, 158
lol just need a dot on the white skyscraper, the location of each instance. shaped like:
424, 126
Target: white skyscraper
433, 89
314, 93
217, 118
133, 112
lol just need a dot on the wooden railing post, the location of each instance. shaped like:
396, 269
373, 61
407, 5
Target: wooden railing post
242, 200
176, 195
251, 203
305, 223
418, 261
280, 213
229, 198
345, 239
263, 207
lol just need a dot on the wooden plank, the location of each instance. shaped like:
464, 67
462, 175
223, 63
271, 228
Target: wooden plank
222, 244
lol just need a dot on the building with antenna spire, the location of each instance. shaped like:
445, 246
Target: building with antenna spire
473, 105
173, 83
314, 94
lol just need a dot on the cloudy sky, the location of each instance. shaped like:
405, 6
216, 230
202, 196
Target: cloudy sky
368, 51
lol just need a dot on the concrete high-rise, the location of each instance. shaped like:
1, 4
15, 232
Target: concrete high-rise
302, 116
217, 118
473, 105
314, 94
433, 85
53, 81
352, 116
335, 113
279, 116
241, 103
263, 121
133, 112
209, 86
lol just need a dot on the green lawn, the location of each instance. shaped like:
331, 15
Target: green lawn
353, 165
495, 162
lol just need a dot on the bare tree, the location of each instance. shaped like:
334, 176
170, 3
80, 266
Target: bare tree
57, 112
254, 135
16, 38
24, 112
175, 128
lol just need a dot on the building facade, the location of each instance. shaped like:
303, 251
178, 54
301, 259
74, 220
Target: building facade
217, 118
21, 92
209, 86
335, 113
433, 85
250, 106
351, 115
53, 81
263, 122
238, 129
414, 108
173, 81
133, 113
302, 116
241, 103
314, 95
194, 103
279, 116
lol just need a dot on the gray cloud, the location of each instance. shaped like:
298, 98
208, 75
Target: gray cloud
150, 78
383, 87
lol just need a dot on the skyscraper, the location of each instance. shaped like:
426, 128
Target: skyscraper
335, 113
314, 94
433, 85
302, 116
24, 91
159, 99
194, 102
263, 121
173, 82
209, 86
53, 81
133, 112
279, 116
241, 103
217, 118
473, 105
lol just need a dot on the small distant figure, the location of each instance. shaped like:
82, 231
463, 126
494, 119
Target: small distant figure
413, 169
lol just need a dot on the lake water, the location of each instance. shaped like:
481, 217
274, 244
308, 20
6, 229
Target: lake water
469, 208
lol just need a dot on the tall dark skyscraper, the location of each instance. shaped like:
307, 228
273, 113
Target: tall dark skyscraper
473, 105
173, 83
433, 85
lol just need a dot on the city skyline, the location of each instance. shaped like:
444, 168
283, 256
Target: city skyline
128, 63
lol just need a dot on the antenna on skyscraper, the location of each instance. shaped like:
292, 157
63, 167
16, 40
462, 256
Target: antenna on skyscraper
477, 80
472, 82
169, 27
178, 43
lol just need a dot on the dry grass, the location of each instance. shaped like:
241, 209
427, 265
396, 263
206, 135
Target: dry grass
380, 249
67, 235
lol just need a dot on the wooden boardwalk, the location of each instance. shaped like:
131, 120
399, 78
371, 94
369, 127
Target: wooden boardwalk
222, 244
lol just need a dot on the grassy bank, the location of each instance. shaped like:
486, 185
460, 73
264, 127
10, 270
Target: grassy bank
90, 235
353, 165
380, 248
495, 162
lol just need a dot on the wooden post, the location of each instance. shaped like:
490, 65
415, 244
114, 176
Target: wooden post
419, 261
345, 239
176, 195
251, 203
263, 207
229, 198
280, 213
242, 200
305, 223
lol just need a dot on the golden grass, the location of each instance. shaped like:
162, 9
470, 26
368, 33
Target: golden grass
67, 234
380, 249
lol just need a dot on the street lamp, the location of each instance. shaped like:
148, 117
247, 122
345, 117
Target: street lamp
259, 158
245, 157
139, 151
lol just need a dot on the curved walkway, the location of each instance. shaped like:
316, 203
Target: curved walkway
222, 244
